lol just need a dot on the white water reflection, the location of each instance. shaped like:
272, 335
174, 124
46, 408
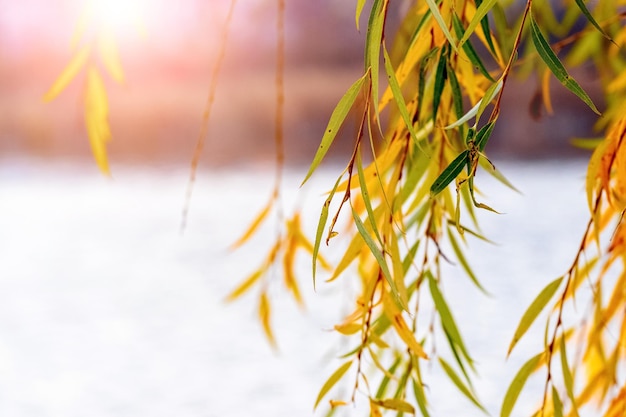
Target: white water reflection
106, 310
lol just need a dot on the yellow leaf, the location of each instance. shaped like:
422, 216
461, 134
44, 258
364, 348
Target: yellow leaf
265, 316
254, 225
331, 381
245, 285
96, 115
110, 55
70, 71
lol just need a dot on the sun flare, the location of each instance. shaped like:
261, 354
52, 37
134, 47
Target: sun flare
121, 17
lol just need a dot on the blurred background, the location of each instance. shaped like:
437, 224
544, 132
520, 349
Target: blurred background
156, 115
107, 310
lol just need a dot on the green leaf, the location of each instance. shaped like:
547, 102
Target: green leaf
556, 401
483, 135
442, 25
395, 404
484, 22
457, 95
533, 311
518, 383
583, 8
463, 261
336, 120
321, 225
440, 81
456, 380
491, 169
469, 49
567, 377
399, 98
420, 397
331, 381
556, 67
373, 41
447, 320
490, 94
378, 254
450, 173
366, 197
382, 388
359, 9
481, 12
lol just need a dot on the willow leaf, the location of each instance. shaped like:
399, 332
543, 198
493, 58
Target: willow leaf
420, 397
447, 320
321, 225
491, 169
533, 311
456, 380
442, 25
76, 64
331, 381
378, 254
366, 198
440, 81
567, 377
463, 261
556, 67
481, 12
510, 398
583, 8
484, 23
457, 95
395, 404
490, 94
336, 120
469, 49
373, 41
399, 98
557, 404
382, 388
359, 9
484, 134
450, 173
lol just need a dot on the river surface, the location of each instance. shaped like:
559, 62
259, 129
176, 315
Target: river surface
106, 309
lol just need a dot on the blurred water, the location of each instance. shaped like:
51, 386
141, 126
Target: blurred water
105, 309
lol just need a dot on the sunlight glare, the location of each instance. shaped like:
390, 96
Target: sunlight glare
122, 17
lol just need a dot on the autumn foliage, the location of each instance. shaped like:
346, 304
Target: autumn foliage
428, 100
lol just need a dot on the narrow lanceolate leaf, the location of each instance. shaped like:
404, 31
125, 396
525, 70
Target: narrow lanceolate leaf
490, 94
336, 120
518, 383
434, 9
96, 118
440, 81
373, 41
484, 22
321, 225
76, 64
556, 402
407, 336
447, 321
567, 377
583, 8
533, 311
457, 95
458, 382
463, 261
395, 404
331, 381
366, 198
254, 225
359, 9
469, 49
450, 173
420, 397
481, 12
245, 285
556, 67
399, 98
378, 254
484, 134
265, 315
